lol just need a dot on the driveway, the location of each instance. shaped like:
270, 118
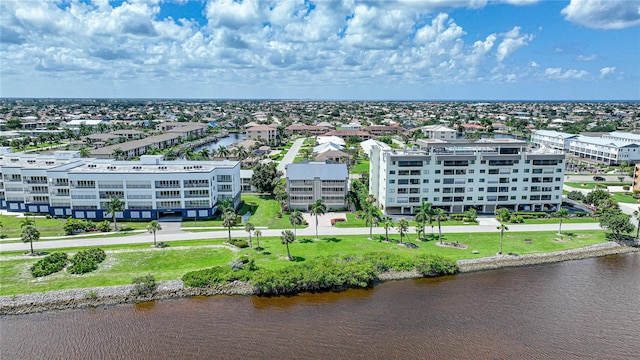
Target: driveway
290, 156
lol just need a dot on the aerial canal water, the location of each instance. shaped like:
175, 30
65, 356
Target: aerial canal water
233, 138
578, 309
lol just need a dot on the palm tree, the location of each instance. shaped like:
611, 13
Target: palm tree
229, 219
223, 152
502, 215
561, 214
114, 206
257, 233
117, 154
351, 199
248, 227
422, 215
306, 153
30, 234
439, 214
188, 153
370, 200
296, 219
84, 152
317, 208
371, 217
27, 222
204, 153
403, 227
502, 229
388, 223
153, 227
287, 238
241, 153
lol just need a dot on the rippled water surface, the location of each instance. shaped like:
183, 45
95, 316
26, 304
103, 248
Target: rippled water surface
579, 309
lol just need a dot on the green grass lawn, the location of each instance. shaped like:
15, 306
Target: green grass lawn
353, 221
361, 167
623, 198
167, 264
592, 185
574, 220
52, 227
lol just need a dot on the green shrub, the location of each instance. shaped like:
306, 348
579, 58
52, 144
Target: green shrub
86, 261
433, 265
239, 243
576, 195
144, 285
49, 265
104, 226
214, 276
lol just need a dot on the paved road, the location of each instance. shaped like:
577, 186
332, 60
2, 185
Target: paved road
179, 235
290, 155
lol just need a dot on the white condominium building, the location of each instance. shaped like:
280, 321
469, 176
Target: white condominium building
610, 149
309, 181
64, 184
458, 175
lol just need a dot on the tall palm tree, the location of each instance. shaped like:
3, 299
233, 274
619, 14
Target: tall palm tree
371, 217
388, 223
502, 214
370, 199
296, 219
248, 227
115, 205
241, 153
30, 234
287, 238
257, 233
502, 229
561, 214
439, 214
317, 208
153, 227
27, 222
229, 219
204, 153
403, 227
188, 153
422, 215
223, 152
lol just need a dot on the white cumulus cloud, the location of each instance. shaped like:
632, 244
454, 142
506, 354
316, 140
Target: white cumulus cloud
606, 71
511, 42
570, 74
603, 14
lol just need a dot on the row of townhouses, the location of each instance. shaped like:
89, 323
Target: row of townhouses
64, 184
611, 149
458, 175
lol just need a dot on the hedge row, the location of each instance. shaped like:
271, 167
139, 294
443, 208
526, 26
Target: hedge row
49, 265
86, 261
322, 273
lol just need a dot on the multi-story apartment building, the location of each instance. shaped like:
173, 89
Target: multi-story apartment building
268, 133
610, 149
438, 132
457, 175
309, 181
66, 185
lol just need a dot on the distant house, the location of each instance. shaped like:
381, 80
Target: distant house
438, 132
309, 181
265, 132
319, 149
345, 134
334, 156
380, 130
306, 129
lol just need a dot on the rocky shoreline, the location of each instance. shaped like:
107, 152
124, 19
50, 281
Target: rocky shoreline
112, 295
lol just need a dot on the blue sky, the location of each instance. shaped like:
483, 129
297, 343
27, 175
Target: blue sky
333, 50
